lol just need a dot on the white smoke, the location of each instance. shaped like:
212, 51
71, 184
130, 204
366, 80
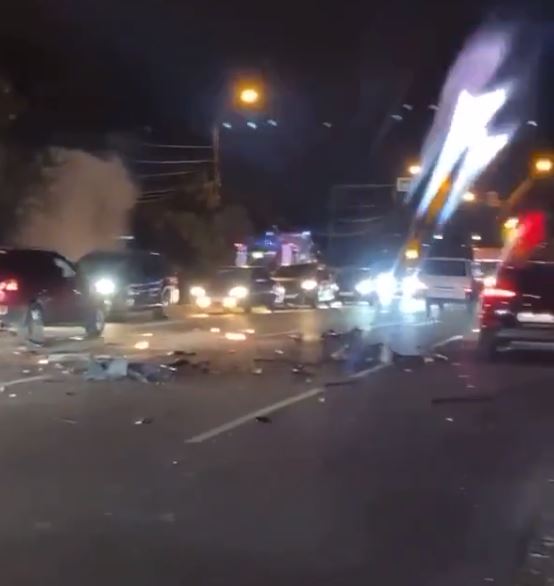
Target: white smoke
81, 204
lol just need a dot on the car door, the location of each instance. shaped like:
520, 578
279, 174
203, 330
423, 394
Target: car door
262, 285
70, 294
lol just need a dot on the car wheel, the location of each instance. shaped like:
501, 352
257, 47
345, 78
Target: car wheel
32, 328
95, 323
487, 346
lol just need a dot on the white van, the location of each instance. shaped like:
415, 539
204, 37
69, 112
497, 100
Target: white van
447, 280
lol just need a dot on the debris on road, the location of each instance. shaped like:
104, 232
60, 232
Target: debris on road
263, 419
12, 395
215, 330
449, 419
102, 369
189, 353
147, 334
143, 421
257, 371
68, 420
279, 352
340, 383
142, 345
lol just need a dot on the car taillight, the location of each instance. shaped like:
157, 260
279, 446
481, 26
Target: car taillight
9, 285
498, 293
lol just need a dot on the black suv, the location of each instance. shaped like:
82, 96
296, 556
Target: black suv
41, 288
517, 311
131, 280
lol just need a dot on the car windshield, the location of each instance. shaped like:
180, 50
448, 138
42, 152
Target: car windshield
112, 265
231, 274
444, 268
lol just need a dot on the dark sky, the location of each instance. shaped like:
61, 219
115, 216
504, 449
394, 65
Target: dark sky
97, 65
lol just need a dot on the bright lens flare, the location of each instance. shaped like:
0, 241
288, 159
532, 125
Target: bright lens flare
104, 286
249, 95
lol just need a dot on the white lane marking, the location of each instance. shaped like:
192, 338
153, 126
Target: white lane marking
447, 341
372, 369
28, 379
211, 433
234, 423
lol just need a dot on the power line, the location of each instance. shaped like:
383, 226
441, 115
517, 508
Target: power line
183, 162
177, 146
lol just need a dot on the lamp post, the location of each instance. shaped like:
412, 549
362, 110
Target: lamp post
246, 96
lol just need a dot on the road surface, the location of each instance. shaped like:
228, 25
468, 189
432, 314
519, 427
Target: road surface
420, 473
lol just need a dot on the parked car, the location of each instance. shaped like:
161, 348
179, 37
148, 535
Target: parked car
42, 288
133, 280
517, 311
448, 280
230, 288
307, 284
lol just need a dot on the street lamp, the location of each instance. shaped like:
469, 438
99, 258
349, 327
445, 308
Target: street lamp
543, 166
414, 169
249, 96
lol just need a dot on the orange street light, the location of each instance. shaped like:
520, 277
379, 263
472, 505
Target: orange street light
544, 166
249, 96
414, 169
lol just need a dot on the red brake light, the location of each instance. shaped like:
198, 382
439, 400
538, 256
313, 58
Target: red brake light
9, 285
498, 293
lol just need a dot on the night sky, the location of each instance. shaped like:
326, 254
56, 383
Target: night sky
93, 66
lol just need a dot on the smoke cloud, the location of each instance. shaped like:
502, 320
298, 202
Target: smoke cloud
82, 203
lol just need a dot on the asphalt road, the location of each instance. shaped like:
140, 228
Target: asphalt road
412, 473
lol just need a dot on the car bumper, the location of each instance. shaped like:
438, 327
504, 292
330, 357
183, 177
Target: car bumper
526, 337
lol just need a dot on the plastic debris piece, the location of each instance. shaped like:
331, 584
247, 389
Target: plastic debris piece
449, 419
142, 345
279, 351
257, 370
408, 370
321, 399
117, 368
143, 421
215, 330
263, 419
442, 357
68, 420
12, 395
42, 361
26, 371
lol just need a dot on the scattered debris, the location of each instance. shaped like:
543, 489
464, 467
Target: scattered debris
42, 361
175, 462
102, 368
178, 363
475, 398
182, 353
463, 375
12, 395
235, 336
538, 555
408, 370
70, 421
279, 352
296, 337
321, 399
70, 393
470, 386
257, 370
143, 421
449, 419
263, 419
441, 357
142, 345
147, 334
26, 371
215, 330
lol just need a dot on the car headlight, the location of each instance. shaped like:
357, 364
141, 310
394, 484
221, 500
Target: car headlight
238, 292
489, 281
198, 291
412, 285
364, 287
385, 285
104, 286
308, 284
